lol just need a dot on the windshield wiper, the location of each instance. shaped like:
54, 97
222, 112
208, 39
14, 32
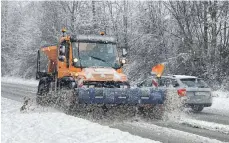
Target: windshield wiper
97, 58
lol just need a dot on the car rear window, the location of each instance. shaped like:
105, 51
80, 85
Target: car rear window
194, 82
168, 82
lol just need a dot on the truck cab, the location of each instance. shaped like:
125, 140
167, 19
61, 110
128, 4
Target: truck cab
87, 60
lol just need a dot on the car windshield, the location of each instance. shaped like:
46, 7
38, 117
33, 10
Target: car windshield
194, 82
95, 54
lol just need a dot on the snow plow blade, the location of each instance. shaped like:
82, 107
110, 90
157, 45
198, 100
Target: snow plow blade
129, 96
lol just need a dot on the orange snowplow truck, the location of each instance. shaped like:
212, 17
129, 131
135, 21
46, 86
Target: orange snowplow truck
90, 67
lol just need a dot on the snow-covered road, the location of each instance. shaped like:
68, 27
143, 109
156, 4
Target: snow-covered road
50, 125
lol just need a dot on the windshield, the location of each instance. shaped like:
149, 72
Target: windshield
95, 55
194, 82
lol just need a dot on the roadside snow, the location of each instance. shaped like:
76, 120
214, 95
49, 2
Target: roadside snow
17, 80
221, 94
205, 125
220, 104
37, 127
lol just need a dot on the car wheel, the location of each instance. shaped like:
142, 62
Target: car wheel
197, 108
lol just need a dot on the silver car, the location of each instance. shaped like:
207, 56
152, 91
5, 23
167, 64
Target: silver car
198, 94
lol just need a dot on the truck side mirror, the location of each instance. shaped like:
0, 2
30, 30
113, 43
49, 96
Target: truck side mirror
61, 58
62, 53
62, 50
124, 52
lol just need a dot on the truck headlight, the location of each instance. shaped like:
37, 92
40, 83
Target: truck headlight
123, 61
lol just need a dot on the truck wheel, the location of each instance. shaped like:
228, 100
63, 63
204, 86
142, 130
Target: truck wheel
197, 108
42, 98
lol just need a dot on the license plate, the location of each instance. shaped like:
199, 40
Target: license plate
202, 93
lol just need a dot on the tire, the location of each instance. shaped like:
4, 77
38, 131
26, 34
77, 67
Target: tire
197, 108
42, 94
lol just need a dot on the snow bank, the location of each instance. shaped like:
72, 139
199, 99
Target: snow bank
221, 94
17, 80
220, 104
55, 127
205, 125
